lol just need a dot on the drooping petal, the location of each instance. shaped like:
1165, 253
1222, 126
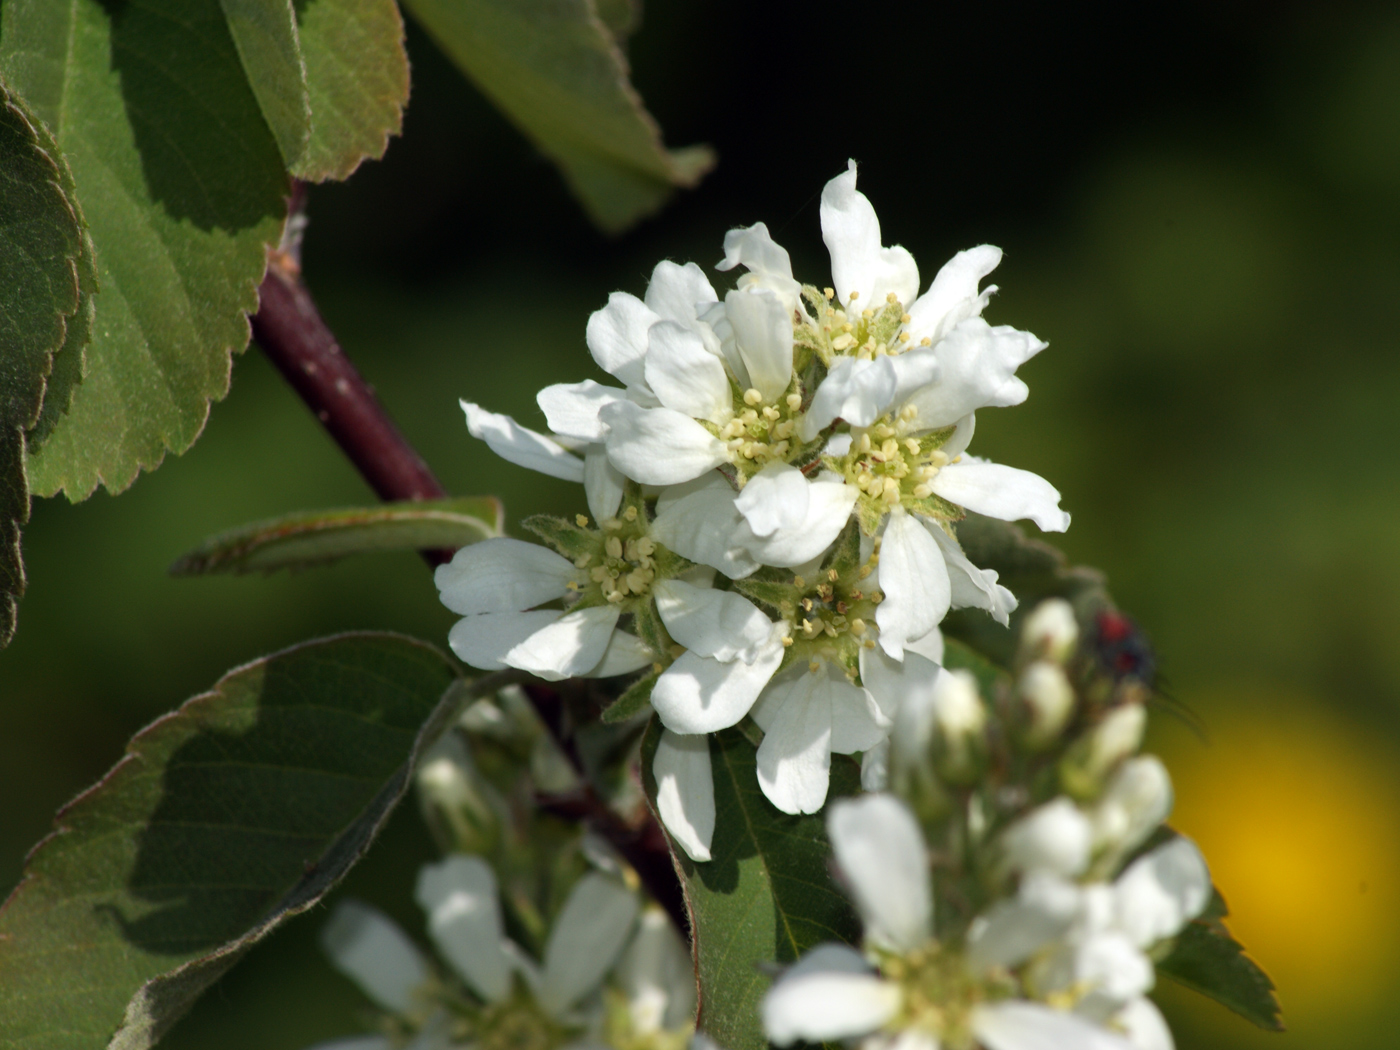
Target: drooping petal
617, 337
571, 409
857, 722
893, 683
502, 575
721, 624
794, 760
962, 436
1013, 930
464, 921
1161, 892
763, 334
685, 791
774, 498
686, 376
753, 248
979, 371
603, 483
521, 446
674, 291
859, 263
1145, 1026
586, 940
1001, 492
1015, 1024
699, 521
1055, 837
880, 851
569, 647
829, 503
625, 653
485, 639
699, 694
953, 296
971, 586
822, 1006
914, 579
659, 446
856, 390
368, 947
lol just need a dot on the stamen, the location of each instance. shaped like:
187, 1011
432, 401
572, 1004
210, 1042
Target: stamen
581, 520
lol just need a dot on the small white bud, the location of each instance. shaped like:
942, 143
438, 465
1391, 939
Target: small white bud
1053, 838
1137, 799
1049, 698
1115, 738
1050, 631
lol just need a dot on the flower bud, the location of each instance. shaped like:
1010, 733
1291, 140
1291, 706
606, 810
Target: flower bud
455, 802
1092, 758
1053, 838
1049, 700
960, 720
1136, 801
1049, 632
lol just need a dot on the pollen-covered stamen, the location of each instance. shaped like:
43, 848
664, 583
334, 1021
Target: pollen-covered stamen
853, 331
893, 464
940, 993
619, 559
761, 432
833, 617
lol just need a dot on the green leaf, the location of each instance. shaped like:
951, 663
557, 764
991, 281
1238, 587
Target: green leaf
767, 894
316, 537
183, 188
224, 818
555, 69
265, 33
1208, 960
357, 79
40, 244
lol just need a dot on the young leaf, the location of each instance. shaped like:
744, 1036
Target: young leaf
317, 537
182, 186
224, 818
357, 79
767, 895
1208, 960
40, 244
556, 70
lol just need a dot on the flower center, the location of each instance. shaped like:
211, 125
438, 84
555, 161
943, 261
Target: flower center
892, 464
622, 566
855, 330
517, 1024
761, 432
939, 994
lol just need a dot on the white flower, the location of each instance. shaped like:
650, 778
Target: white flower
657, 977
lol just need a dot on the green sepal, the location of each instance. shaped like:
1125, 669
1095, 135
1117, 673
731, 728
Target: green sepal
845, 555
647, 625
570, 540
773, 588
631, 703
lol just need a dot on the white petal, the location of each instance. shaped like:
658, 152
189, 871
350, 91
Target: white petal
855, 390
699, 694
857, 723
657, 975
953, 296
875, 767
464, 921
571, 646
971, 586
930, 646
587, 937
763, 334
880, 850
829, 957
625, 653
794, 760
979, 371
892, 683
1146, 1027
774, 498
956, 445
1055, 837
1161, 892
571, 409
523, 447
617, 337
699, 521
1137, 799
603, 483
1001, 492
685, 791
1013, 930
659, 446
837, 445
484, 640
827, 1006
674, 291
1111, 969
913, 371
753, 248
829, 503
914, 579
502, 575
686, 376
1018, 1025
721, 624
852, 235
368, 947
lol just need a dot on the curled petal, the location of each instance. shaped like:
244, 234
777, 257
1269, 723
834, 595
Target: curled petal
829, 503
685, 376
753, 248
1001, 492
685, 791
855, 390
571, 409
979, 371
699, 521
880, 851
675, 291
859, 264
617, 337
720, 624
953, 296
763, 335
659, 446
914, 579
569, 647
502, 575
521, 446
971, 586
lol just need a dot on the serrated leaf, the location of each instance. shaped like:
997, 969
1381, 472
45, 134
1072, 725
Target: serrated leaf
1208, 960
554, 68
40, 244
357, 80
265, 33
317, 537
182, 186
225, 818
767, 895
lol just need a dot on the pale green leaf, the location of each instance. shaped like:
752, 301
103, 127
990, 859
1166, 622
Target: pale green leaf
767, 895
224, 818
265, 33
554, 68
182, 186
40, 245
316, 537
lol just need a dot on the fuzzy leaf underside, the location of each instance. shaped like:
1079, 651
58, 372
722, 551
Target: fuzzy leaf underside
41, 242
224, 818
766, 896
555, 69
317, 537
1208, 960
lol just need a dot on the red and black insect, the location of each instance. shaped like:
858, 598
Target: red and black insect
1123, 651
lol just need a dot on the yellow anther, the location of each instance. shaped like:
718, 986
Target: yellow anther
908, 412
794, 401
830, 293
798, 581
647, 546
938, 458
883, 431
865, 571
843, 341
862, 481
780, 449
905, 318
630, 514
582, 563
889, 448
855, 296
904, 337
815, 665
869, 643
912, 446
787, 641
891, 493
926, 341
806, 604
830, 630
657, 668
864, 444
770, 413
832, 574
582, 520
752, 397
613, 547
857, 626
615, 597
571, 586
891, 298
866, 314
922, 491
749, 416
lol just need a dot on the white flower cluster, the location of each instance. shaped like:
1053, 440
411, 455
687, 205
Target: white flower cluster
1050, 913
613, 974
773, 489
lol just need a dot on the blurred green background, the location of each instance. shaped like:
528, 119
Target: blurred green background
1200, 206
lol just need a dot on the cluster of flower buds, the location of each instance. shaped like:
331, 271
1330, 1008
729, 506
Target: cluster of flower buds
1023, 808
773, 490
